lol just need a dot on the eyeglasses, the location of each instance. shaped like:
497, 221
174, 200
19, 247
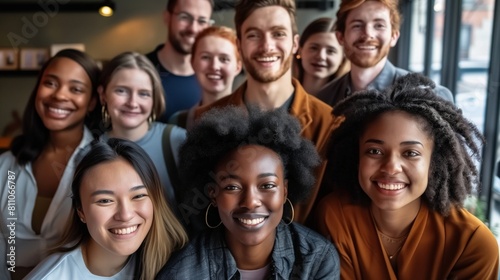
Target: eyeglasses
189, 19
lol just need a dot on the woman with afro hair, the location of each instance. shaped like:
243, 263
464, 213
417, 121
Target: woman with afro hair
243, 171
402, 163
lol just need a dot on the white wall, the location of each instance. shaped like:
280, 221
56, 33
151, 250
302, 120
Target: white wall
135, 26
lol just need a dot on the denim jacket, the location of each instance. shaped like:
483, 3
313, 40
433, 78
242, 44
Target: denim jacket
338, 89
298, 253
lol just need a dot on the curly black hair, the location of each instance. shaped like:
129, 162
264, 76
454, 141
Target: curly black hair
457, 142
221, 130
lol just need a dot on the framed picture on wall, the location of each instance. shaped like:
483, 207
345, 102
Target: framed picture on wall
33, 58
9, 59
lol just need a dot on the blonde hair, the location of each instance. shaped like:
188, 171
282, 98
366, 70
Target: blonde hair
134, 60
166, 234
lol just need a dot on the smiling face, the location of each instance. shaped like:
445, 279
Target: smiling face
116, 209
215, 64
321, 55
368, 35
129, 99
394, 161
64, 95
267, 44
188, 18
250, 195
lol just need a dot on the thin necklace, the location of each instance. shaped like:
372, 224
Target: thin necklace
389, 239
395, 253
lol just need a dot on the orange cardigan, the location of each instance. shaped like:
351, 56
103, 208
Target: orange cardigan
458, 246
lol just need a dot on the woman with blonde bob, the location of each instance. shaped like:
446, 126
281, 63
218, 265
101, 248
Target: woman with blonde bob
121, 226
132, 97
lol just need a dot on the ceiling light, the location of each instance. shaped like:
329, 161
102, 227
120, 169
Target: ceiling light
106, 10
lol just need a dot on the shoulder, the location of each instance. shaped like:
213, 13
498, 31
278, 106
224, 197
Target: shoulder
223, 102
468, 225
7, 159
177, 133
400, 72
306, 104
318, 257
153, 55
440, 90
444, 93
57, 265
189, 262
179, 118
472, 243
337, 214
319, 107
333, 86
310, 240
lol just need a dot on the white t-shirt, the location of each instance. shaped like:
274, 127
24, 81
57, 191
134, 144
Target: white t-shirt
70, 265
30, 248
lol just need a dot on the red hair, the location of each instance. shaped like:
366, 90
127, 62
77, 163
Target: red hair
221, 32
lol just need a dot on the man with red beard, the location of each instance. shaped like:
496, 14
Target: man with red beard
267, 40
367, 29
184, 19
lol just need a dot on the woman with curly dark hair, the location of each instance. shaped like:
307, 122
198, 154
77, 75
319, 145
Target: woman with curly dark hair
402, 165
249, 168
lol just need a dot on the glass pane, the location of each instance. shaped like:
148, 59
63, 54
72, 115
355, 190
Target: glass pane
437, 48
495, 191
474, 56
417, 39
419, 29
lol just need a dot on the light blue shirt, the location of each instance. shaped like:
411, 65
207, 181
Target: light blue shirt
70, 265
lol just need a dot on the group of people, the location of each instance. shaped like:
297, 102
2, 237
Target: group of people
327, 162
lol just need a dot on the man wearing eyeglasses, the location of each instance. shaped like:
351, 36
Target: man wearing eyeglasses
184, 19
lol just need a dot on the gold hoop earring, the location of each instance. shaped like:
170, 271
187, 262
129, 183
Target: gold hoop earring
290, 220
206, 218
106, 120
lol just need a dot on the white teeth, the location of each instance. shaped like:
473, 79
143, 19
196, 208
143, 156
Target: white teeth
251, 221
391, 187
59, 111
366, 47
214, 77
123, 231
267, 59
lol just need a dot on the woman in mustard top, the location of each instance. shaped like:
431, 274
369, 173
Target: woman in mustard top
402, 164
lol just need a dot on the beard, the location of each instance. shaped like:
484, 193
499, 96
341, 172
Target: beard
366, 60
262, 77
177, 45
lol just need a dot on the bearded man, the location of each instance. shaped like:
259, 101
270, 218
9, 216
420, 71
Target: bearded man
367, 29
